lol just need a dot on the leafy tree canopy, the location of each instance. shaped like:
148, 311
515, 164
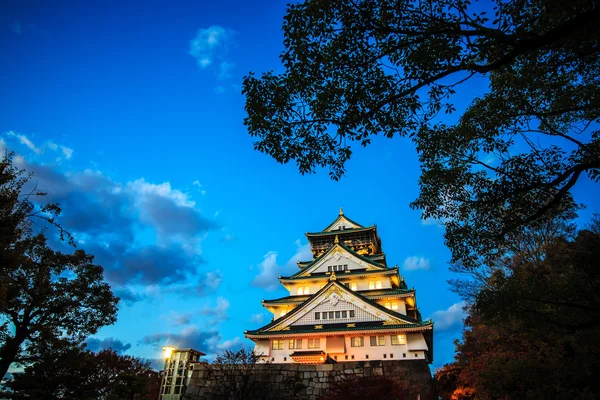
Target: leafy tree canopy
532, 329
361, 68
47, 296
73, 373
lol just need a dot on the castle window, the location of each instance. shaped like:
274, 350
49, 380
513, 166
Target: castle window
317, 315
345, 267
367, 356
377, 340
313, 343
378, 285
353, 286
394, 305
307, 290
301, 290
351, 313
344, 314
398, 340
277, 345
357, 341
324, 315
388, 305
371, 285
385, 356
329, 269
391, 355
295, 344
283, 312
338, 314
331, 315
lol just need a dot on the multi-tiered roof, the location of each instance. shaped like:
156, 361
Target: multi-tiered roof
349, 266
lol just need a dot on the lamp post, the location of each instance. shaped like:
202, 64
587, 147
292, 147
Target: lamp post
167, 352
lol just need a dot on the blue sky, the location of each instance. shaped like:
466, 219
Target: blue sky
130, 114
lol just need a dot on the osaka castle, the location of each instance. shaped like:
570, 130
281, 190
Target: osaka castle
346, 304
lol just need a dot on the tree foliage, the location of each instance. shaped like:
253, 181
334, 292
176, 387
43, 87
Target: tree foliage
47, 296
236, 372
532, 329
73, 373
361, 68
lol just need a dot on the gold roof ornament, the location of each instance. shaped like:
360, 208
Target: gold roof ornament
332, 277
341, 211
337, 240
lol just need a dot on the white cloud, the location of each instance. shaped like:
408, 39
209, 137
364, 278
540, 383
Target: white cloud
415, 263
257, 318
163, 190
25, 140
219, 312
213, 279
449, 318
68, 152
197, 183
303, 253
229, 344
225, 69
210, 45
269, 272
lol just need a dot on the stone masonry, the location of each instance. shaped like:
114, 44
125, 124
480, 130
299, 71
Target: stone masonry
309, 382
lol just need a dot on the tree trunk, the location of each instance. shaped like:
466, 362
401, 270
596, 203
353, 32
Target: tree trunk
9, 352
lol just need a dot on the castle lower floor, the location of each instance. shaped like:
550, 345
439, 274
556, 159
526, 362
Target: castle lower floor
343, 348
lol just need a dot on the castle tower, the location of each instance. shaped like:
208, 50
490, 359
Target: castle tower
344, 305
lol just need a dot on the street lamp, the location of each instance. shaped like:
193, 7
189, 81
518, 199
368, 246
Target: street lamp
167, 353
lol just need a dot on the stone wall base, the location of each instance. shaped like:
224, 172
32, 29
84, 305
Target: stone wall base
306, 382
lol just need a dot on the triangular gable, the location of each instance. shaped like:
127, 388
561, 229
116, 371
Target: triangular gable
342, 222
339, 254
334, 292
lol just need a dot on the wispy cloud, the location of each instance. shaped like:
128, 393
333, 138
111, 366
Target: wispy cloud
269, 270
146, 235
415, 263
450, 318
210, 47
64, 151
95, 344
219, 311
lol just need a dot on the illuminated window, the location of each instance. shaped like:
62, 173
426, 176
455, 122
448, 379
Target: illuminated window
295, 343
357, 341
353, 286
313, 343
307, 290
388, 305
378, 285
277, 345
300, 290
283, 312
398, 340
394, 306
371, 285
377, 340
